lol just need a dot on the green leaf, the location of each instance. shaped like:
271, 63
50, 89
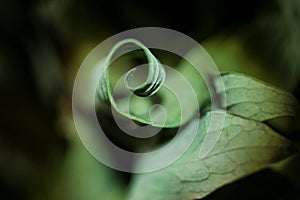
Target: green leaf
243, 147
256, 100
196, 80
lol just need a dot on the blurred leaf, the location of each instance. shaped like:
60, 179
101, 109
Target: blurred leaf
244, 147
83, 177
232, 54
195, 79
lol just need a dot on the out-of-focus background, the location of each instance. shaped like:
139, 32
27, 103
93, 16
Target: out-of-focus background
42, 44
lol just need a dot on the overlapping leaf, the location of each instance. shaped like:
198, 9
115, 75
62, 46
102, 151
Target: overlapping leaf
256, 100
244, 147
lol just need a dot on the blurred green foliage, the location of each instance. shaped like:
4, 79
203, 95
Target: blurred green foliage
42, 45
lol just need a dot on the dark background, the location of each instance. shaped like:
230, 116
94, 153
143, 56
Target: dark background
42, 44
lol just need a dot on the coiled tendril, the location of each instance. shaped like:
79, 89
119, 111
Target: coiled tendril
155, 78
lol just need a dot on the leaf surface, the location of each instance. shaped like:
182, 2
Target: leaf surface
256, 100
244, 147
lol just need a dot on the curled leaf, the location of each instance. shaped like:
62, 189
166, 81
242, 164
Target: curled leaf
164, 86
155, 78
